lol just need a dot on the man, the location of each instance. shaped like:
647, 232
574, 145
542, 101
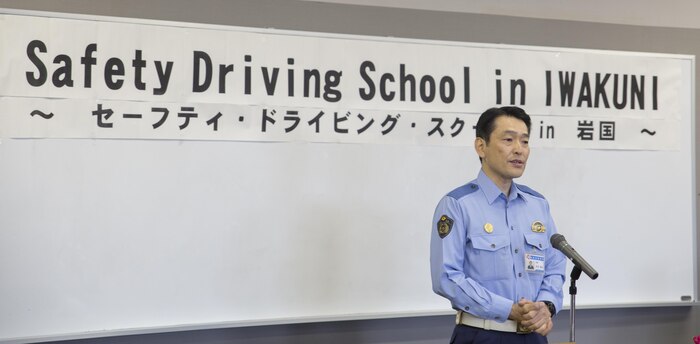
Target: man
490, 253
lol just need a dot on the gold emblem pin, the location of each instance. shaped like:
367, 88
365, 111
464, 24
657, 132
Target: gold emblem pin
488, 228
538, 227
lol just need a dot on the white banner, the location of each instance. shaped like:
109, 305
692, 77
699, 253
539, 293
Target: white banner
71, 78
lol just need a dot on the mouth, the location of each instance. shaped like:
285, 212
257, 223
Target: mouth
517, 163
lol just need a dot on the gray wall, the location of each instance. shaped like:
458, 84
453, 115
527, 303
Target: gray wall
621, 325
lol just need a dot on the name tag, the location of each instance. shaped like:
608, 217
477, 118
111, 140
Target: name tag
534, 262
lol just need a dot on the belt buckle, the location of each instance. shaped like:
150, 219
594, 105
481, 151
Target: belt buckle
522, 330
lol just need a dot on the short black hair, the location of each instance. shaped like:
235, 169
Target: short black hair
485, 125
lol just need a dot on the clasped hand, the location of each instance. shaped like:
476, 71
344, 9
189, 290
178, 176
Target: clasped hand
533, 316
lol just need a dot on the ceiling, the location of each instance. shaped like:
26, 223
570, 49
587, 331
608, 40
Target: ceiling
666, 13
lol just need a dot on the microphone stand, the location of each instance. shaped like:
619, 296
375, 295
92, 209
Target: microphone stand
575, 274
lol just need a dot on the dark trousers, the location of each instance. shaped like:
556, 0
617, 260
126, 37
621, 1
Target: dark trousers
473, 335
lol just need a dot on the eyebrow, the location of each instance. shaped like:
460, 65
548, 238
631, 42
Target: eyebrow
513, 132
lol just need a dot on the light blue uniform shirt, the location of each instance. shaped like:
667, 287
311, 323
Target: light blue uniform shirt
480, 264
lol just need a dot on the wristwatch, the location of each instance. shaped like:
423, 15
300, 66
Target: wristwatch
550, 306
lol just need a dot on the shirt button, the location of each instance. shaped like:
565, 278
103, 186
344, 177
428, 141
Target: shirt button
540, 245
511, 228
516, 250
520, 274
466, 308
498, 318
493, 245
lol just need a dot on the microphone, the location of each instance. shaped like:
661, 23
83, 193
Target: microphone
558, 241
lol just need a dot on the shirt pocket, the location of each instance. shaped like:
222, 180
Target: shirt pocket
491, 258
537, 242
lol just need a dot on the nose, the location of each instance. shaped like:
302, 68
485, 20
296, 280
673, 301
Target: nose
518, 148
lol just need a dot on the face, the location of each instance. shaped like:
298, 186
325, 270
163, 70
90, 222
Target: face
505, 155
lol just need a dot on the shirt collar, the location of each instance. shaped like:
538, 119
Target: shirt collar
492, 192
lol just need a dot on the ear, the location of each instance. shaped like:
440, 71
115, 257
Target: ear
479, 147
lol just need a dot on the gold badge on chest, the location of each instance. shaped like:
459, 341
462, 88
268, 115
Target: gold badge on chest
488, 228
538, 227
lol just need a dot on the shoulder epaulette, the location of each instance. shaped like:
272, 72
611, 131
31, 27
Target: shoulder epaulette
463, 190
529, 191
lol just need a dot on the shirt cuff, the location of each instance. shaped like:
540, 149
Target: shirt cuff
501, 309
545, 296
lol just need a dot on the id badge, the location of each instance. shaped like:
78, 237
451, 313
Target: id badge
534, 262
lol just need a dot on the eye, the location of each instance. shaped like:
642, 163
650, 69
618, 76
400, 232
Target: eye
508, 139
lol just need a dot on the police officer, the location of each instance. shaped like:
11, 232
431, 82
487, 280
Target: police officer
490, 253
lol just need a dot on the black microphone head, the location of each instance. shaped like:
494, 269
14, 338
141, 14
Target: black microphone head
557, 240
